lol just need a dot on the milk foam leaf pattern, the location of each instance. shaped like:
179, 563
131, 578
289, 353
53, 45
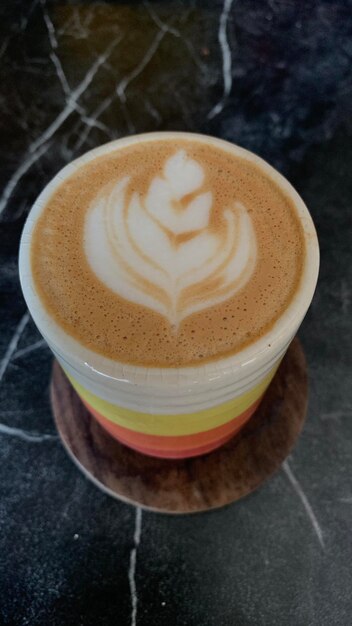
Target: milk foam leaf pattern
161, 251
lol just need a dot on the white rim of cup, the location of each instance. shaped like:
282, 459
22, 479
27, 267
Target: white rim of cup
249, 359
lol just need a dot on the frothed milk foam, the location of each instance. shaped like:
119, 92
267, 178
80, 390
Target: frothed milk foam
167, 252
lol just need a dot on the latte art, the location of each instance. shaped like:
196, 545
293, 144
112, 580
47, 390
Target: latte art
167, 252
160, 251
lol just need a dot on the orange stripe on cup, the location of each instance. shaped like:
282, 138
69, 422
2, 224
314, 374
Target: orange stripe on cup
175, 446
181, 454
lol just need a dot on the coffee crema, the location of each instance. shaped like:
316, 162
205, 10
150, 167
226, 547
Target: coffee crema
167, 252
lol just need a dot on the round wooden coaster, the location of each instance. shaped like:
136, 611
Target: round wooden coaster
196, 484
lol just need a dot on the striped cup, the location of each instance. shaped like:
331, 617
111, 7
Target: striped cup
173, 412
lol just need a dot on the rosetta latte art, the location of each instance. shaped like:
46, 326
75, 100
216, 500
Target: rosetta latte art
161, 251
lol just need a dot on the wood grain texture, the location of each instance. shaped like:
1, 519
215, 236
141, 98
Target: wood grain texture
196, 484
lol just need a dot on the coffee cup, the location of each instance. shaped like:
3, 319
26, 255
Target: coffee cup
186, 401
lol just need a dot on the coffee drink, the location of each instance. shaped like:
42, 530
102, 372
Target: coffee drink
168, 252
168, 273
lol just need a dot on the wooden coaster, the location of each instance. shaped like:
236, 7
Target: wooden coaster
196, 484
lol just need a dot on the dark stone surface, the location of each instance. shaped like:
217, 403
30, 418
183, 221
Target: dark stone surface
282, 555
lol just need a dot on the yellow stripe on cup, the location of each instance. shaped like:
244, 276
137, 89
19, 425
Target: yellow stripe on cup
170, 424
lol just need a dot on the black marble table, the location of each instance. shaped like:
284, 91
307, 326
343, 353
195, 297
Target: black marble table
273, 76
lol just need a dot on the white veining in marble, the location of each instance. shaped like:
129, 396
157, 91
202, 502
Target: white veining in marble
90, 121
120, 91
150, 52
76, 28
25, 435
159, 22
77, 493
24, 21
345, 296
132, 567
85, 118
28, 349
54, 45
176, 33
298, 489
226, 58
152, 110
3, 46
38, 146
94, 121
337, 414
74, 96
19, 173
13, 344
